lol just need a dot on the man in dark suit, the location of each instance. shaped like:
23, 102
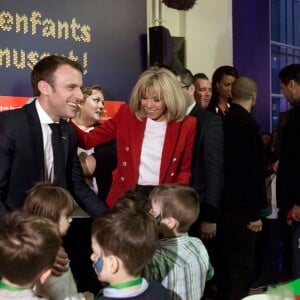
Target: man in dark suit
207, 172
25, 135
245, 195
207, 164
288, 175
56, 83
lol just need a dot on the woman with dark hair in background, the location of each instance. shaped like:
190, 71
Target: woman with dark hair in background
222, 80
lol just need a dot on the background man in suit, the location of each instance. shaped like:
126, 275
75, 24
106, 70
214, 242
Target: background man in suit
207, 166
207, 171
26, 154
288, 175
203, 90
245, 195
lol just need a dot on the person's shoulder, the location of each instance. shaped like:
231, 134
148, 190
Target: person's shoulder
124, 113
26, 294
194, 240
189, 121
124, 108
15, 118
157, 291
193, 245
205, 115
12, 112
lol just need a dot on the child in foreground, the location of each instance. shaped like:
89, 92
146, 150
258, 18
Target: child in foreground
57, 204
181, 262
123, 241
28, 247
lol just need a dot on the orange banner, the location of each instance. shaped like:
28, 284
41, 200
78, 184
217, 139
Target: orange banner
11, 102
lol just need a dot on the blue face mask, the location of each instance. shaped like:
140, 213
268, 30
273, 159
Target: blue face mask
98, 265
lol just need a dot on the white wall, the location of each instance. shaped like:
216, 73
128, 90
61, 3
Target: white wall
207, 28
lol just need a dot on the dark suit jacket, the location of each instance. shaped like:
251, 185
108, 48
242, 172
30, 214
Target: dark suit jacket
243, 161
207, 162
288, 175
22, 161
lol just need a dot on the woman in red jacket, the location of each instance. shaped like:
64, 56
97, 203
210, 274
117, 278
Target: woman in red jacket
154, 137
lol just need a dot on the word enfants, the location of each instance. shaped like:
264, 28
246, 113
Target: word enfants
46, 27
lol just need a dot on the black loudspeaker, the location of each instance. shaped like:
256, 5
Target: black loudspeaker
178, 52
161, 46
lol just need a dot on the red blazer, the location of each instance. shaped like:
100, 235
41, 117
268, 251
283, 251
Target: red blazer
129, 132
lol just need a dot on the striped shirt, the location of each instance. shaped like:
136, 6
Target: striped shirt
182, 265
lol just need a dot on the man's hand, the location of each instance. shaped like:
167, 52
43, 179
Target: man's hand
255, 226
61, 263
275, 166
208, 230
88, 296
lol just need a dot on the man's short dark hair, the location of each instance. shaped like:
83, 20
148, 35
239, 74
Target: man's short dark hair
46, 67
290, 72
200, 76
186, 76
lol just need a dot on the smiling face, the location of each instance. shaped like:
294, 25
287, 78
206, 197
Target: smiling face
60, 97
92, 107
153, 106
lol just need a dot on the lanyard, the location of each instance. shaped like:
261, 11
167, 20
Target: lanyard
11, 288
127, 284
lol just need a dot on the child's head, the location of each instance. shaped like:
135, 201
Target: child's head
123, 241
28, 247
176, 205
52, 202
134, 200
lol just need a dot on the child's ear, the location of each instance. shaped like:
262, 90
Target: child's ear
114, 264
45, 275
171, 223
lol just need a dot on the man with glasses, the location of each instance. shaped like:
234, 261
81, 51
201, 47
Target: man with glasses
207, 169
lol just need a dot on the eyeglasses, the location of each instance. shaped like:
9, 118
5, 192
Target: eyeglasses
185, 86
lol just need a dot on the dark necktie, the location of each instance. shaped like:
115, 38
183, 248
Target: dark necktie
59, 177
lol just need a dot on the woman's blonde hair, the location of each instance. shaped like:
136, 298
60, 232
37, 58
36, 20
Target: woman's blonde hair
167, 88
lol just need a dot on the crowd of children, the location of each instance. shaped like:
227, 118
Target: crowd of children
140, 248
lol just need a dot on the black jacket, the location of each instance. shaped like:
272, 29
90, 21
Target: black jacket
208, 162
245, 191
22, 161
288, 174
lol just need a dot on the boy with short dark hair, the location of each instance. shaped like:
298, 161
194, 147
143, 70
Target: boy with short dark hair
123, 241
181, 262
28, 246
